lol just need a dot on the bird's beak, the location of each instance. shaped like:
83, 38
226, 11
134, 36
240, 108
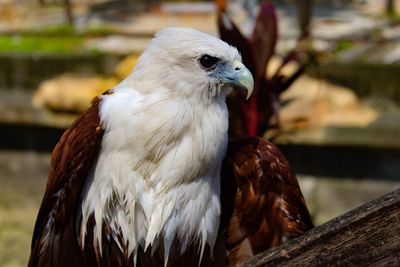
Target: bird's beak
237, 75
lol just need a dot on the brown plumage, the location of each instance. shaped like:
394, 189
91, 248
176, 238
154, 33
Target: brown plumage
262, 206
265, 201
54, 241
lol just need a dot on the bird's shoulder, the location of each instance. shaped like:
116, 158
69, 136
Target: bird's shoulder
262, 201
71, 161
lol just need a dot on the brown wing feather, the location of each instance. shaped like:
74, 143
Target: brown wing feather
261, 199
54, 241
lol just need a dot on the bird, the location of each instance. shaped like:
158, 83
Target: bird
146, 176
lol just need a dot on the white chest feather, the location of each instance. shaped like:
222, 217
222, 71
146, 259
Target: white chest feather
157, 176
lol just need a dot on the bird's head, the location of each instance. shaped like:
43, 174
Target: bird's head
191, 62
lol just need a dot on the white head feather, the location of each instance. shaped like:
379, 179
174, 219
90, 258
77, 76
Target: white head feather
174, 56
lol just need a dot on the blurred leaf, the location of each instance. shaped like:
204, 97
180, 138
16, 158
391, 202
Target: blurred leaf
261, 111
232, 35
264, 37
288, 81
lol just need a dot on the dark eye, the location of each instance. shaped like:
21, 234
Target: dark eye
208, 61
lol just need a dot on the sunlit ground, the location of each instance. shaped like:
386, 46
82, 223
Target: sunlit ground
22, 182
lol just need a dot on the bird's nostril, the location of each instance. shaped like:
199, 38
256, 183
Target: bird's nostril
237, 68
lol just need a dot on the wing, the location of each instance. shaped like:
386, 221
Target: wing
262, 204
54, 241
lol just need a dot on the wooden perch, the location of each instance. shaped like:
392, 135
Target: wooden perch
366, 236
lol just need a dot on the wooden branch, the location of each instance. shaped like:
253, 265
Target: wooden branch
366, 236
68, 11
304, 16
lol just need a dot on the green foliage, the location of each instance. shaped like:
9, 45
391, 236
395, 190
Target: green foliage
45, 44
392, 16
57, 30
68, 30
99, 31
344, 45
61, 38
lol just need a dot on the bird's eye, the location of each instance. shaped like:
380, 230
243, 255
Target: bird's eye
208, 61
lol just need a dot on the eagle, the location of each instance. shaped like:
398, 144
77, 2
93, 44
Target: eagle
147, 177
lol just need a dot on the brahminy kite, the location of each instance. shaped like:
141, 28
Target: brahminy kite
146, 176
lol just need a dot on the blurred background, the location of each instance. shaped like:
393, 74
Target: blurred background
327, 89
